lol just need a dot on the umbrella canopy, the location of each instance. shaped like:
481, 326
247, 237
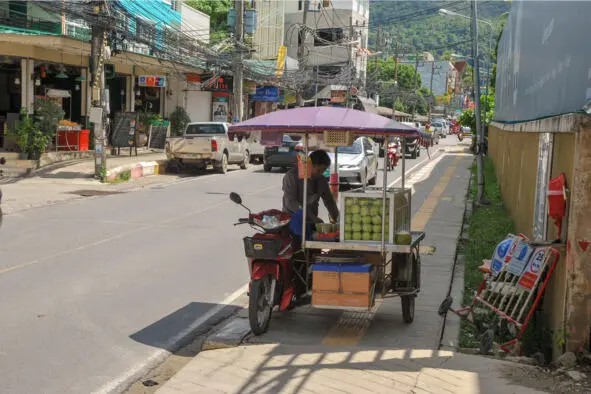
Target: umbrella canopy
320, 119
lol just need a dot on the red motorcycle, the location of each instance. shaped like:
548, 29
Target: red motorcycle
270, 259
393, 155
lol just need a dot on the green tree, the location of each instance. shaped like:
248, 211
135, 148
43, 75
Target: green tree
218, 14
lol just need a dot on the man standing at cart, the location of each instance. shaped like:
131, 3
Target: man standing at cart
318, 188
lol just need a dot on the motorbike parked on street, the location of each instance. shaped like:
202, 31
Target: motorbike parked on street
270, 259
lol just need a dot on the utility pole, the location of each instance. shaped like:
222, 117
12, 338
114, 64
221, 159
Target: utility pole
414, 106
301, 54
351, 69
98, 99
377, 60
238, 97
479, 130
431, 90
378, 44
395, 79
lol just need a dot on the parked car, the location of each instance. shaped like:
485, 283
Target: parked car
438, 129
412, 144
283, 156
208, 144
358, 163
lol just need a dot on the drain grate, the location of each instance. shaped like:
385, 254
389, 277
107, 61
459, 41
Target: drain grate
95, 193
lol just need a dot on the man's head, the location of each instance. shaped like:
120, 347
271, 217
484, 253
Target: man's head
320, 162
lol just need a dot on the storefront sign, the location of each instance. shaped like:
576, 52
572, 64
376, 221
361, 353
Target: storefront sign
195, 78
215, 82
250, 87
156, 81
266, 93
338, 96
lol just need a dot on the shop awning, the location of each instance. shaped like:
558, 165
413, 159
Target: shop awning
26, 32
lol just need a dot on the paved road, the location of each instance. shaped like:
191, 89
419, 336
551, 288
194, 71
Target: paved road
92, 289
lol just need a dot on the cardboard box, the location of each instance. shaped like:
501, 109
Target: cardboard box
347, 278
342, 299
325, 281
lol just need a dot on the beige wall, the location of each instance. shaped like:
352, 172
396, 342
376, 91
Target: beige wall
515, 156
555, 300
578, 260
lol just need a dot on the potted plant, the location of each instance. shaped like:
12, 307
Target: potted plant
23, 129
179, 120
49, 114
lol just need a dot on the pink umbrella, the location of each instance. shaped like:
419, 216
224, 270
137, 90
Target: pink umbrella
320, 119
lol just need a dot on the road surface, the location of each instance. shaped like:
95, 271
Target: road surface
92, 290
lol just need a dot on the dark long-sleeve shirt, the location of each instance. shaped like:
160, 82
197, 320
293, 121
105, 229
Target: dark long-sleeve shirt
293, 195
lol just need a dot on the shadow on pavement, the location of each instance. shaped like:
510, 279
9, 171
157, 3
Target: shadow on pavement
159, 334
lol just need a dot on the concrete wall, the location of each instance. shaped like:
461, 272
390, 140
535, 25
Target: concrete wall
269, 34
578, 260
555, 300
515, 156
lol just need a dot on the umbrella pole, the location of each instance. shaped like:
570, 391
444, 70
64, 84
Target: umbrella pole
334, 176
305, 208
403, 150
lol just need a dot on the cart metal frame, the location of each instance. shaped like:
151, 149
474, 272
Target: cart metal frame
391, 254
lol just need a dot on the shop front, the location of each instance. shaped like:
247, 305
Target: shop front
265, 99
10, 94
149, 91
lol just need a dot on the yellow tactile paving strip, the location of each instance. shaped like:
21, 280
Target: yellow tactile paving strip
420, 219
351, 326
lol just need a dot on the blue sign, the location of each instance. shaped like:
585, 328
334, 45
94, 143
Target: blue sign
266, 93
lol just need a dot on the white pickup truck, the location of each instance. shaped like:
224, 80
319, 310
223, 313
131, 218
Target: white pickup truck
208, 144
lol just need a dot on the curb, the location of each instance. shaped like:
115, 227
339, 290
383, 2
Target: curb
456, 284
137, 170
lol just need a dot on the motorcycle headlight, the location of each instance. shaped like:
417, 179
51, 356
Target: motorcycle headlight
270, 222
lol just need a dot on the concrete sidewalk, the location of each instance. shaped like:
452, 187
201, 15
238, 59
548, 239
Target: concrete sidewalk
63, 181
307, 350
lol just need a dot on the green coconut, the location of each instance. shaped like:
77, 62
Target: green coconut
347, 235
356, 219
365, 211
356, 235
349, 202
366, 220
355, 209
367, 236
367, 228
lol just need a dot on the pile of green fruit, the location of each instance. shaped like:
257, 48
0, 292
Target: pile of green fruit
363, 219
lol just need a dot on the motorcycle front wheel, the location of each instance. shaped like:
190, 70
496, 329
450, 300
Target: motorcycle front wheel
259, 305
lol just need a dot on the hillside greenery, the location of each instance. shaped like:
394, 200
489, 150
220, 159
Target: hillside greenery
418, 25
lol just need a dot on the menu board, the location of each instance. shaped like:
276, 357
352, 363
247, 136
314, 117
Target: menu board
123, 130
158, 136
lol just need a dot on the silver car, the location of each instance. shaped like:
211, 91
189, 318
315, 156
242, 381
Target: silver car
358, 163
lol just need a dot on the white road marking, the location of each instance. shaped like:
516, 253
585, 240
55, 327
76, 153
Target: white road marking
123, 381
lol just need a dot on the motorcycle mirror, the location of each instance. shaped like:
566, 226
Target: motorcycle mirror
235, 197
